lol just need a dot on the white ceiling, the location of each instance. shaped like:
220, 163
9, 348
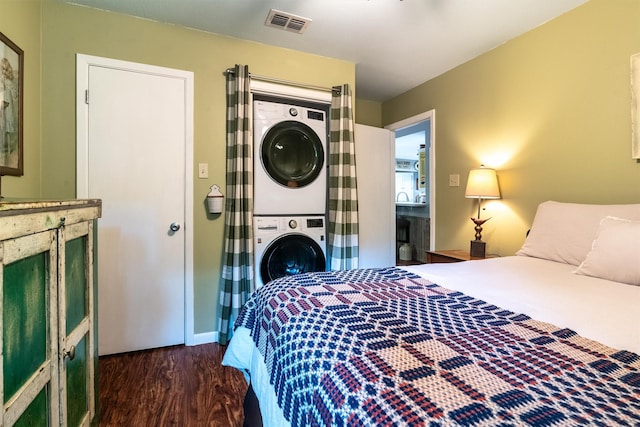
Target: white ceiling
395, 44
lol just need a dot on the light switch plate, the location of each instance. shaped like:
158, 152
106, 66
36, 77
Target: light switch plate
454, 180
203, 170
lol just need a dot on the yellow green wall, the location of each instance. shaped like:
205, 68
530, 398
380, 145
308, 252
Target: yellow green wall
368, 112
550, 110
20, 22
67, 30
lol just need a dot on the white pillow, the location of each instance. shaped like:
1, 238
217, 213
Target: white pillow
616, 252
564, 232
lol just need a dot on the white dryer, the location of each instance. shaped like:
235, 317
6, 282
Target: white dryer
290, 159
284, 246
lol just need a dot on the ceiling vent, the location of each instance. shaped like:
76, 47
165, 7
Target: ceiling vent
287, 21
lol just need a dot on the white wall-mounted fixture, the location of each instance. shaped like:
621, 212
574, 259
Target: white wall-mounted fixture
287, 21
215, 200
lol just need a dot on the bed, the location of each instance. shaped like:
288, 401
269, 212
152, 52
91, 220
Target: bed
549, 336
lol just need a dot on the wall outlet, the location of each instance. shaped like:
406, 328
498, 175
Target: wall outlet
203, 170
454, 180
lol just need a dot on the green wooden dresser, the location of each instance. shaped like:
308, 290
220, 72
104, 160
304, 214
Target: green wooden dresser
49, 339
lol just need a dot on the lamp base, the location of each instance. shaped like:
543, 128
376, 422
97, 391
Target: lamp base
478, 249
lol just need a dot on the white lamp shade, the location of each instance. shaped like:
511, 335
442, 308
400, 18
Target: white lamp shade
482, 184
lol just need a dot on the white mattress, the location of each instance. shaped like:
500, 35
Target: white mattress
608, 312
605, 311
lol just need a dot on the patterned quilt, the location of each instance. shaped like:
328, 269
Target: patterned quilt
384, 347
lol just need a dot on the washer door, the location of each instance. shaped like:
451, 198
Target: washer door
292, 154
291, 254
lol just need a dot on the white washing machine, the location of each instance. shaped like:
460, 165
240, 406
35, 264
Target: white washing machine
290, 159
284, 246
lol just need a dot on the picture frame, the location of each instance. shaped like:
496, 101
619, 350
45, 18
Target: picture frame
11, 107
635, 106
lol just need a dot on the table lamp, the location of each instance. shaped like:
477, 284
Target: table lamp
482, 184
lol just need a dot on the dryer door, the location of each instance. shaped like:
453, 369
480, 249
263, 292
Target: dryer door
291, 254
292, 154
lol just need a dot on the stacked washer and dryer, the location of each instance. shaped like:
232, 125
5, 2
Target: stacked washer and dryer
290, 189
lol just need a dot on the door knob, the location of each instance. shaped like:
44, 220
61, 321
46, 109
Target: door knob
174, 226
71, 353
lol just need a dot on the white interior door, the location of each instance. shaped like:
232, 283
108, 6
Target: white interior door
375, 161
137, 126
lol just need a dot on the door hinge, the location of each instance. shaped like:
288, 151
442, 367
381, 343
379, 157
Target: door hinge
86, 96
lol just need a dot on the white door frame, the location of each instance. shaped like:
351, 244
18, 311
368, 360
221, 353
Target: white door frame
431, 116
83, 62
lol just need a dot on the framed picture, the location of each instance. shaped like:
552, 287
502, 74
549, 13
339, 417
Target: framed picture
11, 96
635, 106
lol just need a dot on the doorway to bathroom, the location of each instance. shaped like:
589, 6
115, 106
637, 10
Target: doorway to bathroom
414, 187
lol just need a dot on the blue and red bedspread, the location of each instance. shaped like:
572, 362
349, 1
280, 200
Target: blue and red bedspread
385, 347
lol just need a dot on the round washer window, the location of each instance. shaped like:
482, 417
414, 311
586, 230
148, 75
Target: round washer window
291, 254
292, 154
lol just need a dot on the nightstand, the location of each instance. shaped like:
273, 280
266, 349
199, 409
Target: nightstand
454, 255
412, 262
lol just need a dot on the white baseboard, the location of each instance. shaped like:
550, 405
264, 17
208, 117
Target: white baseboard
205, 338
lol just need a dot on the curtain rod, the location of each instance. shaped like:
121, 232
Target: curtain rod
286, 82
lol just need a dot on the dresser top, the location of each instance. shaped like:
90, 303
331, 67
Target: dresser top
10, 206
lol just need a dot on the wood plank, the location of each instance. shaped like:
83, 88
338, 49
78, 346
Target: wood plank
179, 385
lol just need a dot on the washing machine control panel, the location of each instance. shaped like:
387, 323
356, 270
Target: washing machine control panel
315, 223
311, 114
265, 225
315, 115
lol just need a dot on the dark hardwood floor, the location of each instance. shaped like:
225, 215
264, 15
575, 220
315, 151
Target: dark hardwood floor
171, 386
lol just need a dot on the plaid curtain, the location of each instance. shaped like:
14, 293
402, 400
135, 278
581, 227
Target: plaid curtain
237, 269
342, 246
